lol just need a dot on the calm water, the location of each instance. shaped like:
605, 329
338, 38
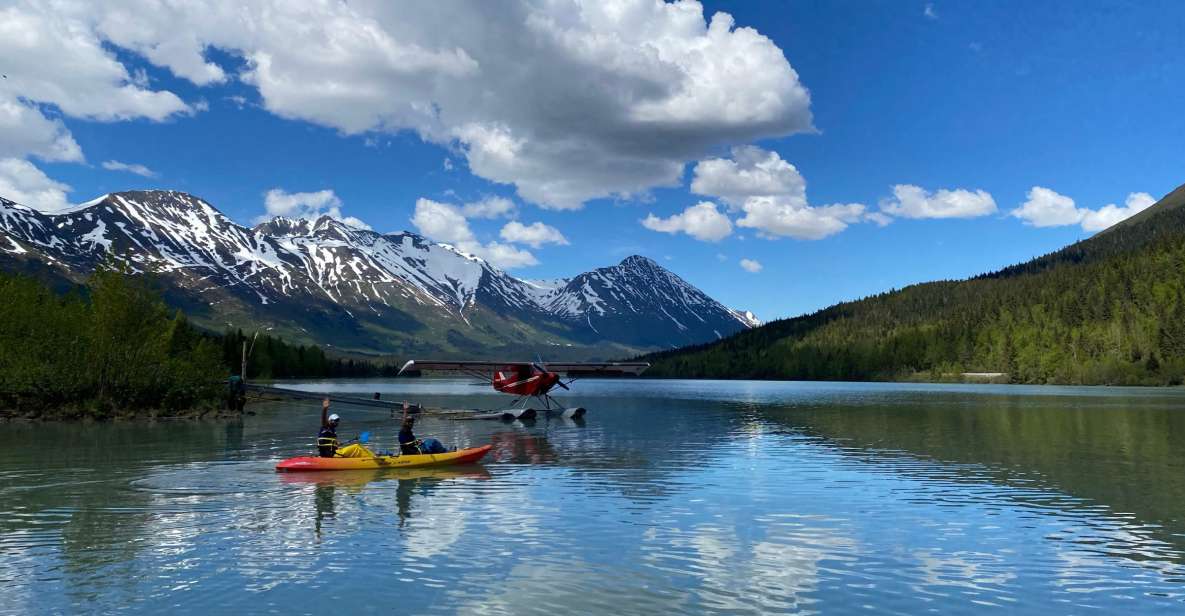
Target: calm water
674, 496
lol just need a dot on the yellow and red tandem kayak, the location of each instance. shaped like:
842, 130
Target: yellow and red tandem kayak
461, 456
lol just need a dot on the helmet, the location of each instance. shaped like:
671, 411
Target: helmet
334, 418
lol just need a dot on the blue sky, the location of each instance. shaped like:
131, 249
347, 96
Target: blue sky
984, 100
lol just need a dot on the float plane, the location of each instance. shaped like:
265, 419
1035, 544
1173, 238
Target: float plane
529, 380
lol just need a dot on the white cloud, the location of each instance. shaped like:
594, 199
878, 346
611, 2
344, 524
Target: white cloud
772, 195
879, 219
568, 102
446, 223
701, 221
141, 170
752, 172
751, 266
26, 131
442, 222
54, 54
774, 216
534, 235
306, 205
489, 207
24, 183
1047, 208
1110, 214
929, 11
504, 256
915, 202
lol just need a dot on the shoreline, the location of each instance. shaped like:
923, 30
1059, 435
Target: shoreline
153, 415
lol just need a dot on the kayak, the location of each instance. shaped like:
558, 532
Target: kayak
310, 463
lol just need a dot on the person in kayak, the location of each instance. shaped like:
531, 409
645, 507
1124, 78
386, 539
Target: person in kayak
409, 444
327, 443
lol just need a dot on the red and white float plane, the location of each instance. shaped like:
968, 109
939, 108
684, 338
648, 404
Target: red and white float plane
529, 380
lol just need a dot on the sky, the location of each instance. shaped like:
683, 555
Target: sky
780, 156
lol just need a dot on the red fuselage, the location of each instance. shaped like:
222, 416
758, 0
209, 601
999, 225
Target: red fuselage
524, 380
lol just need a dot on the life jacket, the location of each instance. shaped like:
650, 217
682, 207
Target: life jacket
327, 442
408, 443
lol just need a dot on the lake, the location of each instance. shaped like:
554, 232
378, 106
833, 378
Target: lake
670, 496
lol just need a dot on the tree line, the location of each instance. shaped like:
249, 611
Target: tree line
112, 347
269, 357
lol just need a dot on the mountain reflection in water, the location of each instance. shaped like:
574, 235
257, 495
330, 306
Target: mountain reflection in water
672, 496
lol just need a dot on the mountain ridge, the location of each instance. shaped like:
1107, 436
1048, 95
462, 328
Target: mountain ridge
327, 282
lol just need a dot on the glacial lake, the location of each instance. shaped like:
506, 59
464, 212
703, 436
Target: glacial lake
669, 497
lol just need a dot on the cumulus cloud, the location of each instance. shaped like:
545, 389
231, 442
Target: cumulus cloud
534, 235
772, 216
446, 223
772, 195
55, 54
567, 102
442, 222
701, 221
751, 266
141, 170
751, 172
490, 207
26, 131
1109, 214
24, 183
504, 256
306, 205
916, 202
1047, 208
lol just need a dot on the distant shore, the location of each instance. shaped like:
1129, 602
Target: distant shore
83, 415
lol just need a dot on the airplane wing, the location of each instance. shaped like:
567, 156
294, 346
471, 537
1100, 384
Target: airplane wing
570, 368
624, 368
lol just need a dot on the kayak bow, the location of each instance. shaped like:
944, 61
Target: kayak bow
310, 463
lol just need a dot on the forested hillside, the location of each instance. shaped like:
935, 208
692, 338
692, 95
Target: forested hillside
1106, 310
112, 348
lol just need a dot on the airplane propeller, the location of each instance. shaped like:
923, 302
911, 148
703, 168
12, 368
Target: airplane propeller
542, 368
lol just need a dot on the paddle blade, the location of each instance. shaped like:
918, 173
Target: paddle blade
364, 437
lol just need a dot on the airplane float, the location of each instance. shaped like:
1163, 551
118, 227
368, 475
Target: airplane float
529, 380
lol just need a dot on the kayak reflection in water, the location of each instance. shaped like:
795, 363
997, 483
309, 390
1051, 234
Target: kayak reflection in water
327, 443
409, 444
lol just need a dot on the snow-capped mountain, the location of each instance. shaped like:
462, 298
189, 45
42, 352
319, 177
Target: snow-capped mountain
327, 282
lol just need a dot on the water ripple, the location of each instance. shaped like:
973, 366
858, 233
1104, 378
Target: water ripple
812, 500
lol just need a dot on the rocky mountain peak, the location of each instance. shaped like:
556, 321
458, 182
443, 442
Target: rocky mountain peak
329, 282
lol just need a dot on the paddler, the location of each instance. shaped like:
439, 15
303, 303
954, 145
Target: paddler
327, 443
409, 444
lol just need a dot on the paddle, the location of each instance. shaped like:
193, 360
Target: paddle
363, 438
